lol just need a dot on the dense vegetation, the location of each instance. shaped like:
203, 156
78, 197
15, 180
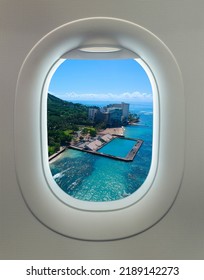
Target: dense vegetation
133, 118
64, 119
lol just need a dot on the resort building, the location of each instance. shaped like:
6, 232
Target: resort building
113, 115
125, 109
94, 146
106, 138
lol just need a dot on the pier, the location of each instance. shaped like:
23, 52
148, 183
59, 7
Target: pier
57, 153
130, 156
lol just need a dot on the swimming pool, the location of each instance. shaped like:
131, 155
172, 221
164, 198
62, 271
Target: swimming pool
118, 147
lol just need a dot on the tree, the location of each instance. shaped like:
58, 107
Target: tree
92, 132
85, 130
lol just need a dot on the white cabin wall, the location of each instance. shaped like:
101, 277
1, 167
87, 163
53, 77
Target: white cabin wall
180, 25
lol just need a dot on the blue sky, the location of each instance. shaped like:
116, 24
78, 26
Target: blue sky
101, 80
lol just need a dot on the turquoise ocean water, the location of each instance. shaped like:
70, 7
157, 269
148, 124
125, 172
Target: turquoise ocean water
94, 178
118, 147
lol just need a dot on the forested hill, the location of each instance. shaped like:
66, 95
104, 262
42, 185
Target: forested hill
63, 119
63, 113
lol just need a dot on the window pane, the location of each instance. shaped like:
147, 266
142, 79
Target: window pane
100, 126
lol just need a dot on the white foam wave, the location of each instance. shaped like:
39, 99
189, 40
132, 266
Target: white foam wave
146, 113
58, 175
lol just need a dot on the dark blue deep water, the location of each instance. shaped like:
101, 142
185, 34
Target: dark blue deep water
94, 178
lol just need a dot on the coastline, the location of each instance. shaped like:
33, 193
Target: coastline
56, 155
116, 131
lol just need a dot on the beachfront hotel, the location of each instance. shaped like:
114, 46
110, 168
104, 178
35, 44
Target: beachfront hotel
114, 115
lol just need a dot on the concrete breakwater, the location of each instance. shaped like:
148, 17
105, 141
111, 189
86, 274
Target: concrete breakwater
130, 156
62, 149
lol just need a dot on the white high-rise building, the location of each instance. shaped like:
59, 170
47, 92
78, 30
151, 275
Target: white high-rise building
125, 110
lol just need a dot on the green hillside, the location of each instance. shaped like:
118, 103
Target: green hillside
63, 120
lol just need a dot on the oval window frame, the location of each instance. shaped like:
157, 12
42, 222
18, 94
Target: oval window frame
144, 188
94, 222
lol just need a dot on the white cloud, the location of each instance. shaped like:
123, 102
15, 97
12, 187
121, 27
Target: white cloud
126, 96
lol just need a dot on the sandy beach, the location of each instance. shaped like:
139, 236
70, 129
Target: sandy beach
115, 130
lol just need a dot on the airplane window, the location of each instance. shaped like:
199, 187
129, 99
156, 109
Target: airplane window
100, 126
136, 177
